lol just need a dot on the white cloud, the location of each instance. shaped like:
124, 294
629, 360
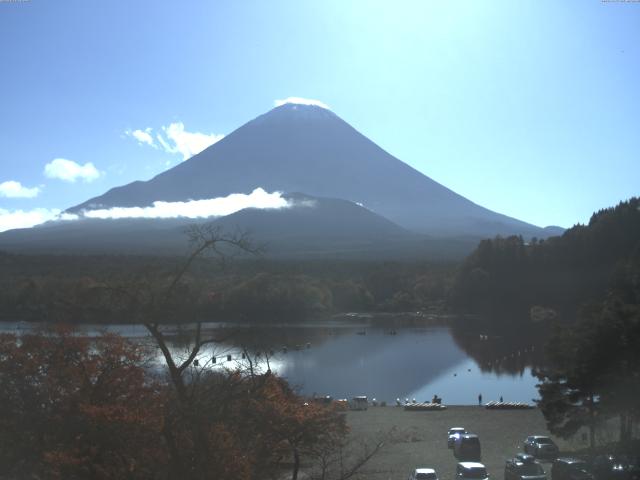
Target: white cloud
26, 218
213, 207
301, 101
142, 136
187, 143
70, 171
13, 189
178, 140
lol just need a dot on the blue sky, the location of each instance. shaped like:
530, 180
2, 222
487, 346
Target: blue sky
531, 108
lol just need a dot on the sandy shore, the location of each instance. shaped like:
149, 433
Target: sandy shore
421, 438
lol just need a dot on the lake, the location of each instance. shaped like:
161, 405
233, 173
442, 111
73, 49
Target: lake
360, 359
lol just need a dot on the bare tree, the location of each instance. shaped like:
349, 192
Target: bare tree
204, 239
345, 457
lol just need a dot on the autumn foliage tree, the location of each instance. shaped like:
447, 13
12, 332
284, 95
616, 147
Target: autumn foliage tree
254, 426
75, 407
79, 407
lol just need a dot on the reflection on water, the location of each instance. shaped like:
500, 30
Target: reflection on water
343, 361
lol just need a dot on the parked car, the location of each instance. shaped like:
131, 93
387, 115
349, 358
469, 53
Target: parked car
471, 471
540, 447
423, 474
567, 468
524, 467
467, 447
452, 434
615, 467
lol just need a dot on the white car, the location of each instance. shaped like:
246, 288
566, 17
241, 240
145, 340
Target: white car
423, 474
453, 433
471, 471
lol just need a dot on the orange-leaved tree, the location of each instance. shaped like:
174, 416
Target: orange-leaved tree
78, 407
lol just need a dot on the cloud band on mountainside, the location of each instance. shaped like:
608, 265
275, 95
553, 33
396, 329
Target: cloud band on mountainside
212, 207
10, 219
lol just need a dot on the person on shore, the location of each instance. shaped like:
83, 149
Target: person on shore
479, 399
501, 400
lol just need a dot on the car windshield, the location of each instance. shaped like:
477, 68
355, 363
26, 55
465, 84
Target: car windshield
544, 441
426, 476
476, 472
471, 441
528, 469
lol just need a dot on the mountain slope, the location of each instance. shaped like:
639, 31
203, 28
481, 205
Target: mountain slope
314, 227
302, 148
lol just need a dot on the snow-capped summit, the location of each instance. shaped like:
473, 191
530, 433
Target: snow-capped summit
302, 101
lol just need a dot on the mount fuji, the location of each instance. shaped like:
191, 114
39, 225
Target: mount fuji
358, 190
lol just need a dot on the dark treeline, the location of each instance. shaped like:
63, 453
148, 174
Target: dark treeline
68, 287
593, 365
580, 292
509, 277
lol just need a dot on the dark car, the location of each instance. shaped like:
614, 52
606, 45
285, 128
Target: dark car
467, 447
570, 469
540, 446
524, 466
615, 467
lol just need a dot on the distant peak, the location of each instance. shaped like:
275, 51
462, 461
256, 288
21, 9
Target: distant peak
301, 101
301, 110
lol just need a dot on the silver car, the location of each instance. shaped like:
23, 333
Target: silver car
540, 446
471, 471
453, 433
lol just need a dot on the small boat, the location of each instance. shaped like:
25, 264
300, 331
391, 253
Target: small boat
493, 405
424, 407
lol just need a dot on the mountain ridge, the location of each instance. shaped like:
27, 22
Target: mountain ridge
309, 149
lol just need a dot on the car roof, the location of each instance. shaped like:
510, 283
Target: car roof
539, 436
471, 465
524, 457
569, 460
425, 470
457, 428
469, 435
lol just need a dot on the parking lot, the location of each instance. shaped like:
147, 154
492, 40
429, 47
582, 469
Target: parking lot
420, 438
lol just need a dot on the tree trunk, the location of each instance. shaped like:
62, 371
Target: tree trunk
592, 424
296, 464
625, 426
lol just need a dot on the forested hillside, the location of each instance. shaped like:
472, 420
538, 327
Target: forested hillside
509, 277
71, 287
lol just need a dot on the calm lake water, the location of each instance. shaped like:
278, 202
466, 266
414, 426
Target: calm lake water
360, 359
